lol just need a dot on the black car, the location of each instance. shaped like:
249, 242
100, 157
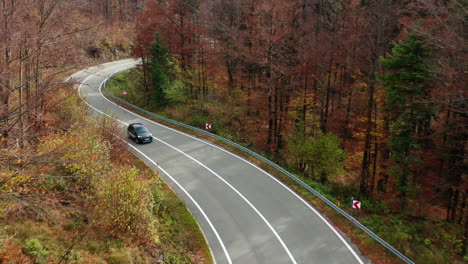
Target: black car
139, 133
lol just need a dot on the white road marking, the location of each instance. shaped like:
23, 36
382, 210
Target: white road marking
227, 183
186, 192
228, 257
240, 194
255, 166
241, 158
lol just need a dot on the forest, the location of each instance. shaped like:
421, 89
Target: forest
70, 191
361, 98
364, 97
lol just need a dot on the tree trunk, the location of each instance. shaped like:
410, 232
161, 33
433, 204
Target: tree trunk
465, 240
107, 11
367, 144
342, 84
304, 99
376, 151
20, 98
122, 8
374, 167
453, 213
182, 40
333, 92
275, 116
327, 97
230, 72
279, 136
348, 114
449, 205
462, 208
145, 79
404, 182
5, 85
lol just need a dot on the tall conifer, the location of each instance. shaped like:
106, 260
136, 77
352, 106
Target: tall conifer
407, 86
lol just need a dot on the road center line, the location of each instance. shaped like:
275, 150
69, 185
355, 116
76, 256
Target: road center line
255, 166
188, 195
228, 257
232, 154
238, 193
293, 260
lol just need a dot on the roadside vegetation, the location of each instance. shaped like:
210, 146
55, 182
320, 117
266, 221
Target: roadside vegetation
430, 240
70, 192
362, 99
82, 197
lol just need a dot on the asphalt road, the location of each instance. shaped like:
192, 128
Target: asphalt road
246, 215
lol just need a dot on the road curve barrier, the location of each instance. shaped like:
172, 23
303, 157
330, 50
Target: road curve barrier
263, 159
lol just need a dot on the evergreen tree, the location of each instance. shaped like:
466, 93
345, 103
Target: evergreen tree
407, 87
159, 66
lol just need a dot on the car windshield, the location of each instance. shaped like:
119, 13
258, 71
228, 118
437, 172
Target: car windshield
141, 130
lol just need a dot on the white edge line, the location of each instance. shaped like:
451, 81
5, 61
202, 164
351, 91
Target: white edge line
255, 166
176, 182
238, 193
191, 198
230, 186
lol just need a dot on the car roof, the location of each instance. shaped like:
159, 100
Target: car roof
136, 124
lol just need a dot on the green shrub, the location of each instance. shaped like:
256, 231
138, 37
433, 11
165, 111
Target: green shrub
119, 256
375, 207
344, 191
94, 246
125, 202
175, 258
374, 223
177, 92
24, 231
38, 252
127, 256
56, 184
320, 156
73, 257
197, 120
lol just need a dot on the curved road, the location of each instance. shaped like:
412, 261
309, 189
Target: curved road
246, 215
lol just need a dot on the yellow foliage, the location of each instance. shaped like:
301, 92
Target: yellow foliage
362, 85
14, 181
81, 152
124, 202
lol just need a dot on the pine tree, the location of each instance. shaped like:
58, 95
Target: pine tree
159, 66
407, 87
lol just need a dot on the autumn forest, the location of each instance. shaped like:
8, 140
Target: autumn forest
361, 98
302, 80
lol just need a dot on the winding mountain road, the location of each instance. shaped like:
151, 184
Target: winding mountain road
246, 215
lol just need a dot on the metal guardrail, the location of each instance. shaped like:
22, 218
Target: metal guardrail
265, 160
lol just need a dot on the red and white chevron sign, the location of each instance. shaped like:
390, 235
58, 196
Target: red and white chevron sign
356, 204
207, 126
